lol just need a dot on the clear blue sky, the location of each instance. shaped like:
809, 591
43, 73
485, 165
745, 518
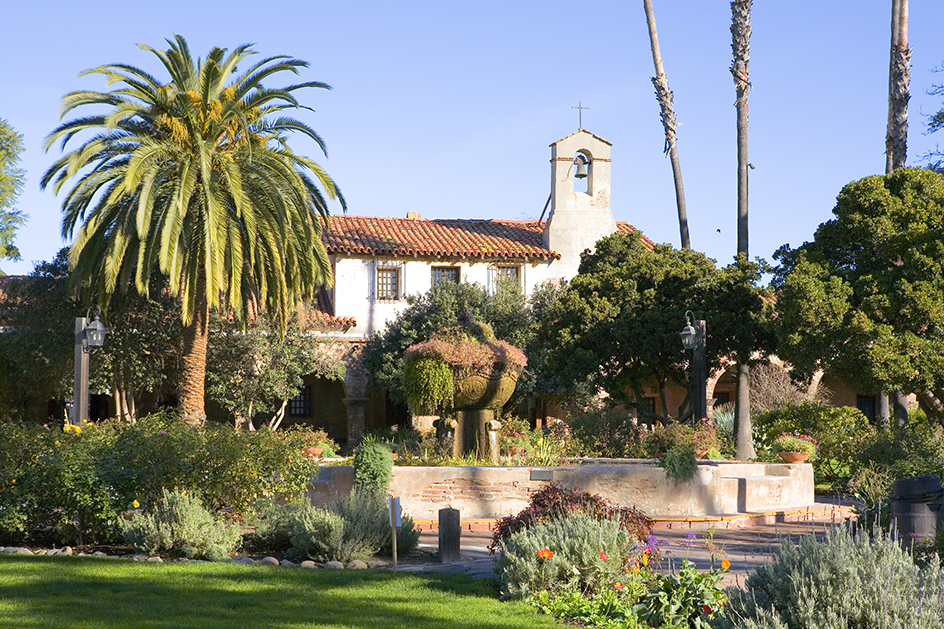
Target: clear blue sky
447, 108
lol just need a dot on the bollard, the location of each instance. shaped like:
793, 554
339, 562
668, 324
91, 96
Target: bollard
450, 533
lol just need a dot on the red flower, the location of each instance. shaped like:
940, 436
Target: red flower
706, 609
617, 586
603, 556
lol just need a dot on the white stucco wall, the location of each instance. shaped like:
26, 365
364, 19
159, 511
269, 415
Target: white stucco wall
353, 282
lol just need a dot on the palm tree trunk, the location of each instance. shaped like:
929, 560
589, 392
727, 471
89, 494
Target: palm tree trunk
193, 373
741, 47
896, 138
665, 98
899, 81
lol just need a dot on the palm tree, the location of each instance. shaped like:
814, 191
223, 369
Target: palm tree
664, 96
741, 47
194, 179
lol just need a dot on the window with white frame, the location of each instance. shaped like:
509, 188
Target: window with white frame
443, 274
388, 283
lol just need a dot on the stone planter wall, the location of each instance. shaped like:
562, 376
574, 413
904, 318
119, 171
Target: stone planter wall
719, 487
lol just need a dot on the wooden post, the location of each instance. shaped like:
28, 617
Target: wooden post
450, 532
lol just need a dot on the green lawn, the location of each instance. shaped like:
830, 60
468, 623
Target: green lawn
87, 593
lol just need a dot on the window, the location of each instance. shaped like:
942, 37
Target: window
722, 397
509, 272
388, 282
866, 404
445, 274
648, 405
300, 405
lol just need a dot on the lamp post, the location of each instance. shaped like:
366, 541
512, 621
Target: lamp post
87, 335
693, 338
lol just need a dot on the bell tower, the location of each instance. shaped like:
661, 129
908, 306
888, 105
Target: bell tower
580, 198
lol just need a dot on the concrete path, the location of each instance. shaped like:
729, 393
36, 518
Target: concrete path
747, 542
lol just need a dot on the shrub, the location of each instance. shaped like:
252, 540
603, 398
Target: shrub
605, 432
680, 464
574, 551
373, 468
318, 534
367, 526
841, 432
552, 503
659, 441
690, 599
272, 526
843, 581
181, 527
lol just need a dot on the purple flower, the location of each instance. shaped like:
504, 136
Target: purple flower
689, 540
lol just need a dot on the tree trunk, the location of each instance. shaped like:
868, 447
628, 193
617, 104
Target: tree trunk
193, 373
664, 96
899, 80
896, 136
741, 47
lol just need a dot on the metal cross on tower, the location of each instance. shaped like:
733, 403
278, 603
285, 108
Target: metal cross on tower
580, 109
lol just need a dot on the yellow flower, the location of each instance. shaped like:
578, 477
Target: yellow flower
57, 443
725, 564
645, 560
78, 430
135, 504
67, 428
13, 482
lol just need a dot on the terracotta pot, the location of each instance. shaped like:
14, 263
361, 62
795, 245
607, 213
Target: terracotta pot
701, 453
515, 450
314, 453
794, 457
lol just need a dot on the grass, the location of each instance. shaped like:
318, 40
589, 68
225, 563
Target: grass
89, 593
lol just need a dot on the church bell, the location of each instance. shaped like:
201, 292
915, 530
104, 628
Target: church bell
581, 162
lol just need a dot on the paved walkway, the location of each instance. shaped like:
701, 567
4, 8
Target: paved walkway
747, 541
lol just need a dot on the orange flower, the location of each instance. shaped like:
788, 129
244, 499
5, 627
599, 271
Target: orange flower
725, 564
545, 553
645, 560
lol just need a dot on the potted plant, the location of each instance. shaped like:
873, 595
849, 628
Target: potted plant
706, 438
794, 447
516, 444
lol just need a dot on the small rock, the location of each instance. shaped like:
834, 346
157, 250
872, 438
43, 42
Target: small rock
243, 560
9, 549
357, 564
99, 553
23, 551
308, 564
41, 551
139, 557
155, 559
66, 550
377, 564
285, 563
269, 561
334, 565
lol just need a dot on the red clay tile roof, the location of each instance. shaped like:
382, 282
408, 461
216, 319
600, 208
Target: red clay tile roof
371, 235
322, 315
626, 228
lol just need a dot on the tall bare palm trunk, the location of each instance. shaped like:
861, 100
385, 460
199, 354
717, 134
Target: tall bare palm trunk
665, 98
899, 82
896, 147
193, 371
741, 47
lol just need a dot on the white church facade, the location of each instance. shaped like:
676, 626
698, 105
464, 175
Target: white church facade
378, 261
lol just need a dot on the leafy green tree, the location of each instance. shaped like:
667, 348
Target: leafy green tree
617, 325
193, 179
11, 183
36, 354
865, 299
257, 369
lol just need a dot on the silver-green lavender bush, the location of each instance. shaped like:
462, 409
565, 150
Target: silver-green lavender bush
844, 581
